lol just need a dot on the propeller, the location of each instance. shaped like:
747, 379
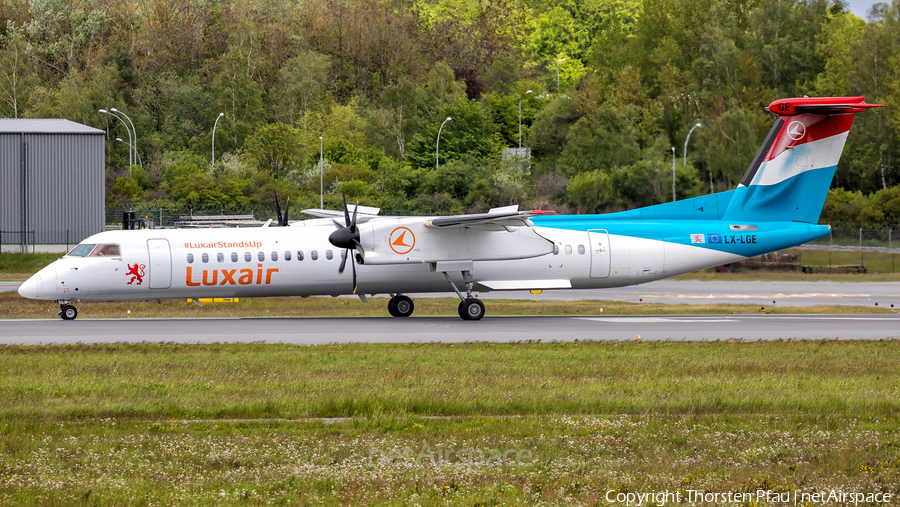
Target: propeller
282, 220
348, 238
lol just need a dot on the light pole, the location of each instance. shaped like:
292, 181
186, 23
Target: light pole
557, 73
141, 162
130, 160
132, 129
673, 174
438, 145
686, 141
213, 164
520, 120
321, 173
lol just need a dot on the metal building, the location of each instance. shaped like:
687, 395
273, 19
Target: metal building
52, 182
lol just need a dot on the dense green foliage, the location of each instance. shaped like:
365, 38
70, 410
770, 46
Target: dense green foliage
606, 89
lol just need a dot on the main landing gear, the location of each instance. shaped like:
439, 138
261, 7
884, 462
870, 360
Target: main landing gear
400, 306
67, 311
469, 308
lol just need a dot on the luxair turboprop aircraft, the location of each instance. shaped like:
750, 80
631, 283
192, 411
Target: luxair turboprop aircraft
775, 206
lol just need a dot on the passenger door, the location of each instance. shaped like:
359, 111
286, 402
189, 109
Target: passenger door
160, 263
599, 245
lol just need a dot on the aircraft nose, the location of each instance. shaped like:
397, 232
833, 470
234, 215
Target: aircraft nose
29, 288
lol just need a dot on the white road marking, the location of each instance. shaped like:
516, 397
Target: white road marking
641, 319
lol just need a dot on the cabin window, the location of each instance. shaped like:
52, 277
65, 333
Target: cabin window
329, 254
205, 258
568, 249
247, 257
261, 256
555, 249
299, 255
106, 251
190, 258
81, 250
287, 256
234, 257
220, 257
580, 249
314, 255
274, 256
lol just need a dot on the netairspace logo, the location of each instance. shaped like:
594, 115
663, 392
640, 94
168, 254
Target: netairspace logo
438, 456
796, 497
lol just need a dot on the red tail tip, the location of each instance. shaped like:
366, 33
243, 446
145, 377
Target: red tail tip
820, 105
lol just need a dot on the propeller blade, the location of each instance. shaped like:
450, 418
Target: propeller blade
286, 206
346, 211
360, 249
343, 261
353, 265
353, 223
278, 209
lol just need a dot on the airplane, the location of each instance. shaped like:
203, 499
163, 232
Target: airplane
776, 206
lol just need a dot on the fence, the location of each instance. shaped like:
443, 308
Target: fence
860, 238
17, 238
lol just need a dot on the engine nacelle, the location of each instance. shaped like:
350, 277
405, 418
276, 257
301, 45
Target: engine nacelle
412, 240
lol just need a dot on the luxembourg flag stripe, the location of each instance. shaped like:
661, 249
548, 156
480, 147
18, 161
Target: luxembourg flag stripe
698, 238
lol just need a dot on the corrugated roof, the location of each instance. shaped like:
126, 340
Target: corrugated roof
44, 126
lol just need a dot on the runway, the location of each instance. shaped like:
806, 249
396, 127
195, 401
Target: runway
317, 331
705, 293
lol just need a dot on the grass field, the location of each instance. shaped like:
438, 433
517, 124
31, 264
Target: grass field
464, 424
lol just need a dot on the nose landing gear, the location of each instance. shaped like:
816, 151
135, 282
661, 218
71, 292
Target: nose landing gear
67, 311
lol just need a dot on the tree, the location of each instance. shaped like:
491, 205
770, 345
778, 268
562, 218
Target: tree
17, 74
589, 191
275, 148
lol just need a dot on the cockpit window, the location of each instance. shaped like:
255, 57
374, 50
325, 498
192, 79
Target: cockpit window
105, 251
81, 250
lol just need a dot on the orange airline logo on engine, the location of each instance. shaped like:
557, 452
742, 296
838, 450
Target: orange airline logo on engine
402, 240
231, 276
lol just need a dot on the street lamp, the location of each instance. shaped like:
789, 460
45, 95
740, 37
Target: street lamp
557, 73
321, 173
214, 139
673, 174
104, 111
520, 120
438, 145
141, 162
132, 129
686, 141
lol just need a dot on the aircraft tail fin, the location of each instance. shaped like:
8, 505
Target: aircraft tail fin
789, 177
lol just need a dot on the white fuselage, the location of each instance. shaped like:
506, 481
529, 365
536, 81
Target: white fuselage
300, 261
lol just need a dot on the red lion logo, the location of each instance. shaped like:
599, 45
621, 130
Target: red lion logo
137, 271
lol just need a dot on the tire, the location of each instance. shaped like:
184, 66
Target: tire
68, 312
461, 310
473, 309
391, 307
403, 306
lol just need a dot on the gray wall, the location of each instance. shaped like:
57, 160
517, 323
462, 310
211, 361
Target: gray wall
65, 179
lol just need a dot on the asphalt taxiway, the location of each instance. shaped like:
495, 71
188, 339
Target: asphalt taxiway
316, 331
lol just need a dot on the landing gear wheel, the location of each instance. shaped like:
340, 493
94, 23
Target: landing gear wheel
392, 307
68, 312
471, 309
403, 306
